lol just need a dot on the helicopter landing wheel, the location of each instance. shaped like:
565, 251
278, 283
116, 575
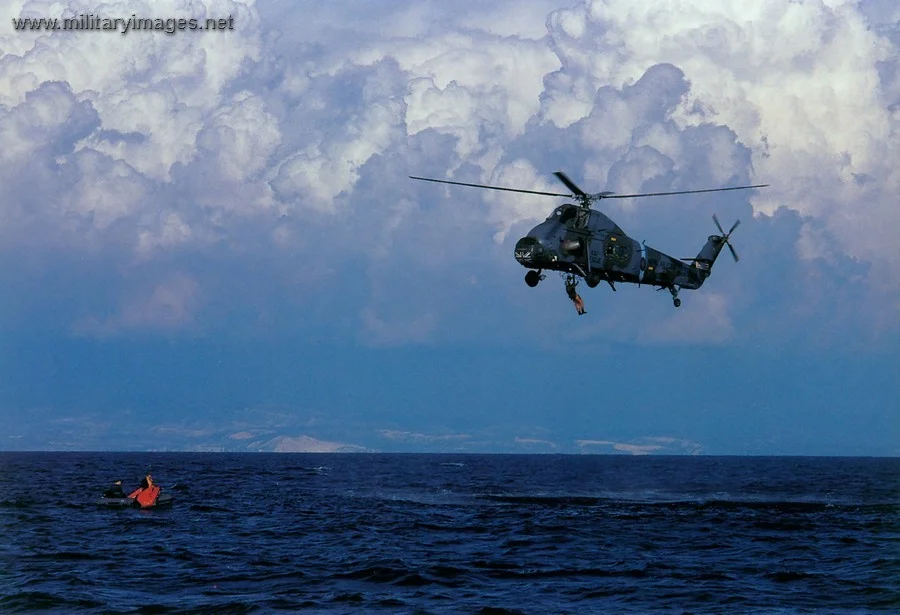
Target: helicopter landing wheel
532, 278
674, 290
592, 280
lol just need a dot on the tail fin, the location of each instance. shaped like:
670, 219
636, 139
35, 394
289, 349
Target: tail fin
710, 252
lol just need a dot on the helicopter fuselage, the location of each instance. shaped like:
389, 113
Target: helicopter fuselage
580, 241
587, 243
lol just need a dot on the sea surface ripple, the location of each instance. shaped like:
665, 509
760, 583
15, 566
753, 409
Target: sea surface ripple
361, 533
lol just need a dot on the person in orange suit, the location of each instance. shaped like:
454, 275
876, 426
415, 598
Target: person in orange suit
575, 297
146, 494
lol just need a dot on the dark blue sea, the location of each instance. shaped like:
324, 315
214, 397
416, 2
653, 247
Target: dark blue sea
372, 533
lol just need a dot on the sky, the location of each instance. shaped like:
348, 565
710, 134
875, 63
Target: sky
209, 241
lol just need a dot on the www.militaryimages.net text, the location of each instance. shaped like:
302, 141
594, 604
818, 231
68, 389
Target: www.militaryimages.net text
90, 21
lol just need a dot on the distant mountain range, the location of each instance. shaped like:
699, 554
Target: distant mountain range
282, 430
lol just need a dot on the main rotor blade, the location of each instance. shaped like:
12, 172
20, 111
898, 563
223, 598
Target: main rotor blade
569, 183
579, 193
628, 196
445, 181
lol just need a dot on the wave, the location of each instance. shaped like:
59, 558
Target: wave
674, 501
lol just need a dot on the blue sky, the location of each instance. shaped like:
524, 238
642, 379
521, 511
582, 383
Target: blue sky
211, 242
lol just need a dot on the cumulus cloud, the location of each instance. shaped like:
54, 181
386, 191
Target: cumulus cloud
329, 165
98, 121
282, 140
167, 306
707, 321
144, 83
800, 84
398, 330
240, 138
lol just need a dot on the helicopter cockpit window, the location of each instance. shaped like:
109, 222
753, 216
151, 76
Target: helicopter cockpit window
566, 214
581, 218
570, 215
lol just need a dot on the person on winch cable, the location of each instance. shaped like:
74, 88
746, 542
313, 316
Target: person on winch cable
575, 297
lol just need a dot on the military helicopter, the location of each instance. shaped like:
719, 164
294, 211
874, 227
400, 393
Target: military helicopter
578, 241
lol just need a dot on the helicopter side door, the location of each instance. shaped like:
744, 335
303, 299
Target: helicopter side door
575, 234
597, 232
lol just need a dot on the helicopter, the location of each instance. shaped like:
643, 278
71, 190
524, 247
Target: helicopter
581, 242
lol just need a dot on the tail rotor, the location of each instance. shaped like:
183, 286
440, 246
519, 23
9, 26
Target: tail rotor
726, 236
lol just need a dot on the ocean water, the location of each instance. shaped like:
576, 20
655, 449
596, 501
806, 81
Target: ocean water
360, 533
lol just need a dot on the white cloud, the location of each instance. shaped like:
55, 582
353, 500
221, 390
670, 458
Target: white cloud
169, 230
797, 82
510, 209
158, 86
242, 136
46, 123
99, 120
105, 191
314, 176
705, 319
167, 306
381, 331
152, 145
500, 78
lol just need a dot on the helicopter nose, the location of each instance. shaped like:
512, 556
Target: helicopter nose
529, 252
